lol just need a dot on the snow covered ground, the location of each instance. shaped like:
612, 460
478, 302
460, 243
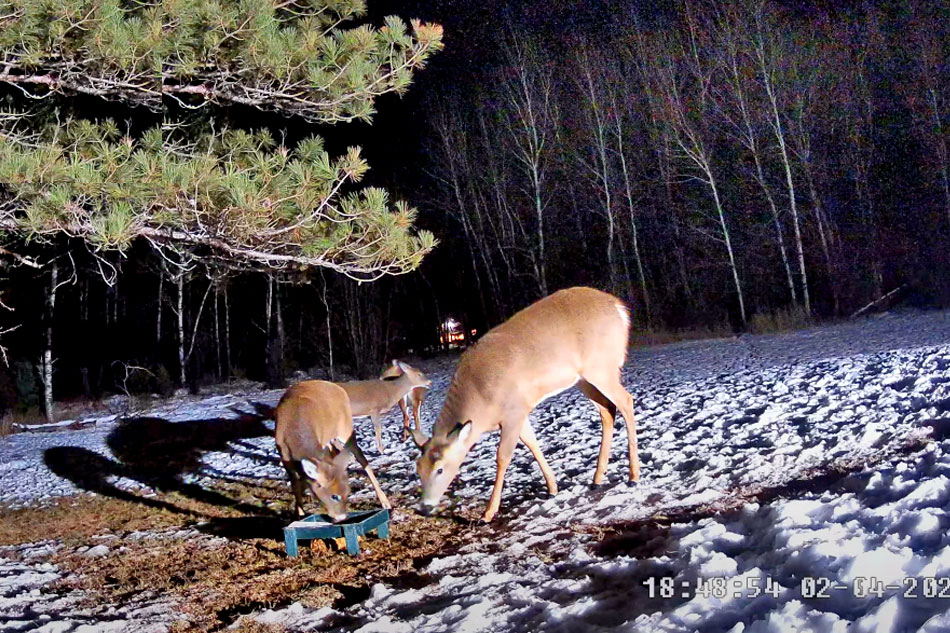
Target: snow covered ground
790, 482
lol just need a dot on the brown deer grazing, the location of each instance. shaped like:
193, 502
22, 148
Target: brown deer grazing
576, 336
315, 438
414, 399
375, 397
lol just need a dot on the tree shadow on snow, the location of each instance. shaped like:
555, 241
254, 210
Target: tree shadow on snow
159, 454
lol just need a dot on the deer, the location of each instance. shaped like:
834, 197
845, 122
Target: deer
315, 439
577, 336
414, 399
376, 397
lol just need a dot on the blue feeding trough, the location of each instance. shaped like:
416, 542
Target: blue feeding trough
322, 526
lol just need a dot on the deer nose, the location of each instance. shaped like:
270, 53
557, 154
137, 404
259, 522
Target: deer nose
426, 509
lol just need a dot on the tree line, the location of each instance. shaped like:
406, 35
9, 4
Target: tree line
719, 161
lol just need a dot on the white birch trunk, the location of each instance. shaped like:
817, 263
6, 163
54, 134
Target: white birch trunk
47, 363
180, 283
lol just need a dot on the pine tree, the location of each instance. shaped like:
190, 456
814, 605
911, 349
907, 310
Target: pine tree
230, 196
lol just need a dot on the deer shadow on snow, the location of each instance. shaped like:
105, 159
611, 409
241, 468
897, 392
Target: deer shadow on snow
159, 454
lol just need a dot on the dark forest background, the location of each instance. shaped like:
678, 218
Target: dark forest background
717, 165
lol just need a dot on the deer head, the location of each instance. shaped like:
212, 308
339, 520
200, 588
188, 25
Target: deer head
326, 477
440, 462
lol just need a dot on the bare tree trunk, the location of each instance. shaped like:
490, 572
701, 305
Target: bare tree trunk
455, 148
326, 307
47, 359
533, 129
180, 313
194, 333
689, 138
269, 307
631, 209
728, 241
281, 334
736, 74
86, 334
943, 152
599, 167
766, 72
227, 334
158, 317
217, 332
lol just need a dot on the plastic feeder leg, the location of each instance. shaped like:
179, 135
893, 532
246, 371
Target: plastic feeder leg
352, 545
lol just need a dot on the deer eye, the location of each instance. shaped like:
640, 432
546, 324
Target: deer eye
335, 498
438, 471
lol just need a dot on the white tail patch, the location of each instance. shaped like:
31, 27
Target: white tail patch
624, 314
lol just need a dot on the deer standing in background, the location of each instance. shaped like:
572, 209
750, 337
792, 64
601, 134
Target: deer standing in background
315, 439
414, 399
375, 397
576, 336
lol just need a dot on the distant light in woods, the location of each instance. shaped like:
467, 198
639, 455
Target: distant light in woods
452, 334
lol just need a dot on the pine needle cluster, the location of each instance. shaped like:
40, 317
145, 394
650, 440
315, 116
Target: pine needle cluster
234, 196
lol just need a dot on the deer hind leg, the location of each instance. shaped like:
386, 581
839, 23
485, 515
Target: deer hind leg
405, 419
611, 388
608, 413
506, 448
531, 441
378, 426
362, 461
416, 405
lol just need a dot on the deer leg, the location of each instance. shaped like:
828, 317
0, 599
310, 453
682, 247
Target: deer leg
378, 425
531, 441
357, 452
296, 484
405, 419
416, 405
608, 413
613, 390
506, 447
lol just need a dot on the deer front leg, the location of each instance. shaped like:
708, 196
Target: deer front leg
378, 424
362, 461
296, 484
531, 441
506, 447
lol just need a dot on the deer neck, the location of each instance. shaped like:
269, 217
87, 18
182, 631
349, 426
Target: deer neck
461, 406
399, 387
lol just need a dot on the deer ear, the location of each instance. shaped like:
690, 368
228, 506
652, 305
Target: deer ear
401, 365
462, 432
342, 458
310, 470
419, 437
395, 363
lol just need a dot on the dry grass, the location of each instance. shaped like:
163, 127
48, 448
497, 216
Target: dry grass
783, 320
73, 520
6, 424
248, 625
215, 581
647, 338
64, 410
